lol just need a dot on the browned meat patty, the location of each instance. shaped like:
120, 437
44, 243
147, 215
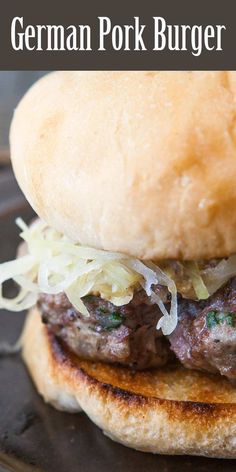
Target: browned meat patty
205, 337
126, 335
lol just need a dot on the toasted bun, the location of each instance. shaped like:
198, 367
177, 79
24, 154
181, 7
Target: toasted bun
138, 162
167, 411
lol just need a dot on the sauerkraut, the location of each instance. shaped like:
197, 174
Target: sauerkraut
52, 263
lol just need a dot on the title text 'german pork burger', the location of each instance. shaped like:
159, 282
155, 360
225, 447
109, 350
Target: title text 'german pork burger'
130, 272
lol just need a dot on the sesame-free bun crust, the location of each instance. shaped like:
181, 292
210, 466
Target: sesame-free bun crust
166, 411
138, 162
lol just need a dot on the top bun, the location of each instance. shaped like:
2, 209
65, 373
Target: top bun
138, 162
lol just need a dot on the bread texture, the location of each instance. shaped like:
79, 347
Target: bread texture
165, 411
138, 162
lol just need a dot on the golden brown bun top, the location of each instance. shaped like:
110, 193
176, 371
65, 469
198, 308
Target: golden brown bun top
138, 162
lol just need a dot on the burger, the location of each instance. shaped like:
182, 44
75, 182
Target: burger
129, 274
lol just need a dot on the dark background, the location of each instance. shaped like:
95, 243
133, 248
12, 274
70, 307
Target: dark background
13, 84
189, 12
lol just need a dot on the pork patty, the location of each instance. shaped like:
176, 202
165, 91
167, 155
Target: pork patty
126, 335
205, 337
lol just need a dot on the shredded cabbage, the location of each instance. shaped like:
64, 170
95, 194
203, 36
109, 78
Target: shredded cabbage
55, 264
216, 276
199, 286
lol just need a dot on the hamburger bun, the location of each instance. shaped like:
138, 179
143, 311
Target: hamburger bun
138, 162
169, 411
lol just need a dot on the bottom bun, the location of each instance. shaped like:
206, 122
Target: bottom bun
165, 411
